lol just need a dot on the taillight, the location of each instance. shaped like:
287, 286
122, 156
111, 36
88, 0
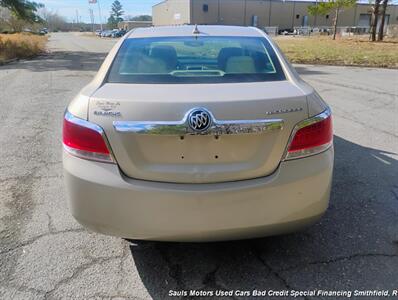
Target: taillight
84, 139
311, 136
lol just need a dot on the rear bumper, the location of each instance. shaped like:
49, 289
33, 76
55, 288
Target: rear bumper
102, 199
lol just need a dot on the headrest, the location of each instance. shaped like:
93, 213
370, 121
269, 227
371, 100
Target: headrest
240, 64
151, 65
167, 54
262, 62
226, 53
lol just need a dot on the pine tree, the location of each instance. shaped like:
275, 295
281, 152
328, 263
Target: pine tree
23, 9
116, 14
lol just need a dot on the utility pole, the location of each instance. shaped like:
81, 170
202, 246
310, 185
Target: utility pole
91, 19
100, 16
99, 10
77, 20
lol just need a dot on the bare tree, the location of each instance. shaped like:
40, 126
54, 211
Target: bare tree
335, 6
53, 21
383, 19
374, 20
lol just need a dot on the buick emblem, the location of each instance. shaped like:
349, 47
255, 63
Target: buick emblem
199, 120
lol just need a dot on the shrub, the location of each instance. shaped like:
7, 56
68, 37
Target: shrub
21, 45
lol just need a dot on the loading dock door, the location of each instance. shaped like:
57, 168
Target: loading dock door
304, 21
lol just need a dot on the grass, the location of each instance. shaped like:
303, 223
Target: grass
21, 45
344, 51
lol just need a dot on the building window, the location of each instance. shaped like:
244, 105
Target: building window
327, 16
205, 7
364, 20
297, 16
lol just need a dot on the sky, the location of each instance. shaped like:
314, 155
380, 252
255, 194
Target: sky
67, 8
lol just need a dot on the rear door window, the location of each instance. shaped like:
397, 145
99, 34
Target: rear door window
195, 60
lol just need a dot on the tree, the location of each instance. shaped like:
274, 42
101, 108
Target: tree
139, 18
23, 9
383, 19
335, 6
10, 22
112, 23
116, 14
374, 20
53, 21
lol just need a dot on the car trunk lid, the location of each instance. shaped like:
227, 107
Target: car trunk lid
202, 158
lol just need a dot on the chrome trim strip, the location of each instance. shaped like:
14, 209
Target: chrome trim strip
84, 154
217, 127
75, 120
89, 155
308, 152
322, 116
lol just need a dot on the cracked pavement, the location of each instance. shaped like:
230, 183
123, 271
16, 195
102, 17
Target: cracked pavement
45, 254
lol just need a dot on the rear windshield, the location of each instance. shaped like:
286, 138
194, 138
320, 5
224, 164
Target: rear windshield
195, 60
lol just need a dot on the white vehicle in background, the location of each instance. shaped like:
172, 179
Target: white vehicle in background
106, 33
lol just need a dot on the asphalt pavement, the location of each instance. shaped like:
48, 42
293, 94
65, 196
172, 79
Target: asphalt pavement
46, 254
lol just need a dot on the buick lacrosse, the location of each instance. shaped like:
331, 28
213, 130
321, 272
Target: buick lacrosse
197, 133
